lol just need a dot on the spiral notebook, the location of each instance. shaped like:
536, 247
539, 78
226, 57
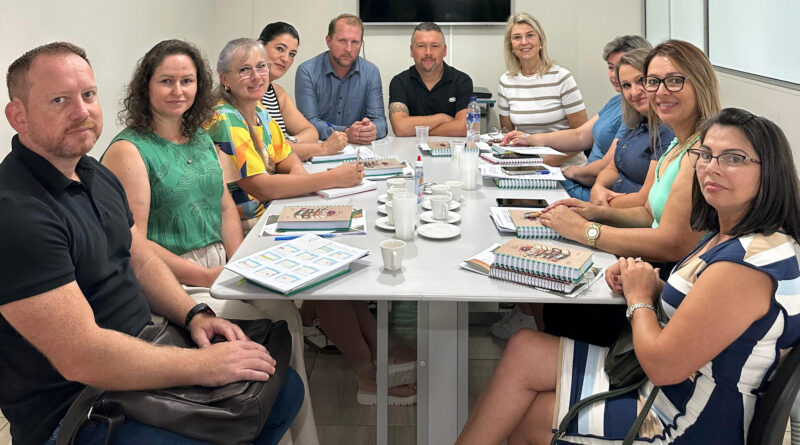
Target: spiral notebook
437, 149
538, 264
387, 166
527, 225
315, 217
493, 158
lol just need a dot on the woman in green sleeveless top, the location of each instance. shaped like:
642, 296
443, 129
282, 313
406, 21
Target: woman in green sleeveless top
169, 168
682, 90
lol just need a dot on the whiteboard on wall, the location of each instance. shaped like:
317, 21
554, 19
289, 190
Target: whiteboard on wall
759, 37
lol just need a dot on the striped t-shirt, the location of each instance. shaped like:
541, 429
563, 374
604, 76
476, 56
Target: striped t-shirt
270, 102
539, 104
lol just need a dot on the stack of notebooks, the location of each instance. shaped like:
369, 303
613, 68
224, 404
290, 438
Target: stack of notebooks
541, 151
382, 167
442, 149
544, 180
541, 265
298, 264
523, 222
365, 186
315, 217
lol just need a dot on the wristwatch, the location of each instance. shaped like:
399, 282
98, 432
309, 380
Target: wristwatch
200, 308
592, 233
632, 308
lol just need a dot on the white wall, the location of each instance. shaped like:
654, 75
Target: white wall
576, 30
115, 34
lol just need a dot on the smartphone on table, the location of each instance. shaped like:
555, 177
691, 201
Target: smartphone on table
526, 170
522, 202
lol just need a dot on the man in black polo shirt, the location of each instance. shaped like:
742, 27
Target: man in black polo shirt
77, 279
430, 92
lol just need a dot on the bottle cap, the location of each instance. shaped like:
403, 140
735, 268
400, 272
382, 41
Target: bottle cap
419, 158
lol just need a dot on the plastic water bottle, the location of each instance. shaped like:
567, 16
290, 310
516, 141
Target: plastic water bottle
419, 179
473, 124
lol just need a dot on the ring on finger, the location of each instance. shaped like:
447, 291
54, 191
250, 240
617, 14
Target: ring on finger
638, 259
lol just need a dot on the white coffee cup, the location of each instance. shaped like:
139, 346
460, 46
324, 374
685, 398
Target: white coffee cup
396, 182
440, 205
390, 212
405, 214
440, 189
392, 250
468, 166
422, 134
455, 189
392, 190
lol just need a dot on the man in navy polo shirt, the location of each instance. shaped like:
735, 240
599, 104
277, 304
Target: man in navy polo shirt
430, 92
77, 279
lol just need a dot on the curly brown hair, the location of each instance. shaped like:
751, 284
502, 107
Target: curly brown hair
136, 113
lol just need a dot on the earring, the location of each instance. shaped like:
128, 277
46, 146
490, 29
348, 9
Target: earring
227, 89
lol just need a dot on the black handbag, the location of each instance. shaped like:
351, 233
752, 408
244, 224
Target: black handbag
621, 364
231, 414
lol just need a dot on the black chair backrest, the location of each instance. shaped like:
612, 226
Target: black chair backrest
772, 411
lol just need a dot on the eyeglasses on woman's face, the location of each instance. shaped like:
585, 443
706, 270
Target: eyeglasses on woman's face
726, 161
671, 83
261, 69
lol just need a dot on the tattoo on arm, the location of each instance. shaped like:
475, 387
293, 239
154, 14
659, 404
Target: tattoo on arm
398, 107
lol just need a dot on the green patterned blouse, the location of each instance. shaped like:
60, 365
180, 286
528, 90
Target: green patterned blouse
185, 190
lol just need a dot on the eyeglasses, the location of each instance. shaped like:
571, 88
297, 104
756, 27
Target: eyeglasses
726, 160
671, 83
260, 69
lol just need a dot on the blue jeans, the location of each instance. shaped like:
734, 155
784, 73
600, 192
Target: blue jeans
577, 190
134, 433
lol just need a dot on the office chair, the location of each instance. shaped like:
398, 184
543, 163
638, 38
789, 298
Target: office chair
772, 412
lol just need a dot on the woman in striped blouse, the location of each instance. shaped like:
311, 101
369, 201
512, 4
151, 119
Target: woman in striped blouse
535, 95
281, 40
731, 306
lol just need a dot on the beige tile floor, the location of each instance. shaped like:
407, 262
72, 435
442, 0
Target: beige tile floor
342, 421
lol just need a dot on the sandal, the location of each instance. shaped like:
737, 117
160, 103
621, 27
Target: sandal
400, 395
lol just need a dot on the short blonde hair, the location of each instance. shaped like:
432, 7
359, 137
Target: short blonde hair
512, 62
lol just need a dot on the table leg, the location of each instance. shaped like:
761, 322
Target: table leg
442, 380
382, 374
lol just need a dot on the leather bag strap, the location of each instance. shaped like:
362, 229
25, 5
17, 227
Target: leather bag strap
78, 414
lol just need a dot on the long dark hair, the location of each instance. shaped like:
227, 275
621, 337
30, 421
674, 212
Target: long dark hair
136, 113
776, 205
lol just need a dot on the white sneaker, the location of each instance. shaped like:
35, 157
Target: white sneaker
511, 323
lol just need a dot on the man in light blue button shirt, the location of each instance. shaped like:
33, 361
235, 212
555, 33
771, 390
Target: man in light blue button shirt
338, 90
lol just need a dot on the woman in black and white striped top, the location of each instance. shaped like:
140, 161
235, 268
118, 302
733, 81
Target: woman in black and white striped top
281, 41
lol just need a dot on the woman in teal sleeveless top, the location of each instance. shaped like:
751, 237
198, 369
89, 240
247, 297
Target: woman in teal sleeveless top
171, 173
683, 91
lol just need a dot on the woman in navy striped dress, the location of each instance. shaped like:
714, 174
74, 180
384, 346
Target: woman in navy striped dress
733, 306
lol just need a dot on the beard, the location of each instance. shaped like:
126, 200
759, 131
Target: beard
65, 145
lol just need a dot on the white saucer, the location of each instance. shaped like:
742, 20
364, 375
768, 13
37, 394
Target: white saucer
382, 209
383, 223
382, 198
426, 204
452, 217
438, 231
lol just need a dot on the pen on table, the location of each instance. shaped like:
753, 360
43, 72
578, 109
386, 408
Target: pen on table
287, 238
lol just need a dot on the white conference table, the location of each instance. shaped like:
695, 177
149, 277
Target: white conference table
431, 276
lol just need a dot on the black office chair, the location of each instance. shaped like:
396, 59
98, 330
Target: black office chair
772, 412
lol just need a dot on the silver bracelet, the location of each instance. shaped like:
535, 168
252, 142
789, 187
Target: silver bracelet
632, 308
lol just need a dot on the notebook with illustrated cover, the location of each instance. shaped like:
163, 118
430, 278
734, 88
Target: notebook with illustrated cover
347, 153
547, 179
382, 166
527, 224
298, 264
437, 149
538, 264
358, 226
365, 186
494, 158
315, 217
